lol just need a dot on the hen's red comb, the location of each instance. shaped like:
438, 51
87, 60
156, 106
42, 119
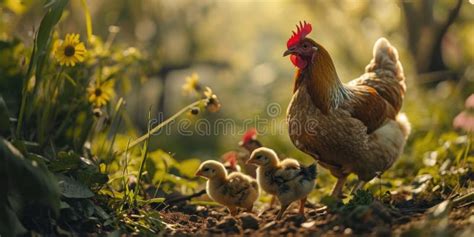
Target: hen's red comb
231, 157
249, 135
302, 31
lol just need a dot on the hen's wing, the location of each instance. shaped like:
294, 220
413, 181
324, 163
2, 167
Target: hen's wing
369, 107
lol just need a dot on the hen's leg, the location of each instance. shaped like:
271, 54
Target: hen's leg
302, 202
282, 210
360, 184
337, 190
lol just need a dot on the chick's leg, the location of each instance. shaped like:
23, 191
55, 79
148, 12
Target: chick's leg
302, 202
282, 210
337, 190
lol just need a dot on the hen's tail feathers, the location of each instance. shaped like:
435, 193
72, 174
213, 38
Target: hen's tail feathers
385, 60
404, 124
310, 172
389, 80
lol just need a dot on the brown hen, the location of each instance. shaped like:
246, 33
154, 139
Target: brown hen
348, 128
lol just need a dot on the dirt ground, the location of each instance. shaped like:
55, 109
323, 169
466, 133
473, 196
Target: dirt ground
375, 219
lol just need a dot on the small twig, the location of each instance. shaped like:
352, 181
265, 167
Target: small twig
161, 125
468, 198
185, 198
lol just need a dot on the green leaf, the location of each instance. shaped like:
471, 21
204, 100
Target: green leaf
331, 202
10, 225
71, 188
204, 203
66, 161
101, 213
151, 200
188, 167
5, 130
91, 176
43, 38
24, 183
87, 16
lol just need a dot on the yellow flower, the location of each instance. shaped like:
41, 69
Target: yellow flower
70, 51
192, 84
100, 94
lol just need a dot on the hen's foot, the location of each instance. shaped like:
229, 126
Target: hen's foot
360, 184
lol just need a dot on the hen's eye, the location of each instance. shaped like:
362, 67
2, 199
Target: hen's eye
305, 46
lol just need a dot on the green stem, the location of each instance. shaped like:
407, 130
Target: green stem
164, 123
22, 109
66, 121
142, 163
46, 114
24, 91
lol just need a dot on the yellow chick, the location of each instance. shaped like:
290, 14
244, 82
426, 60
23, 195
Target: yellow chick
287, 179
233, 190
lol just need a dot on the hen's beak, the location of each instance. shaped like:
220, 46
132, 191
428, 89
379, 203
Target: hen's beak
288, 52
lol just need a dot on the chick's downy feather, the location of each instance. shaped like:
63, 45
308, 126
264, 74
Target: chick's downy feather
236, 190
233, 191
288, 180
298, 186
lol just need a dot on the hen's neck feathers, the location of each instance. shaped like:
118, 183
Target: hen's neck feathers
322, 82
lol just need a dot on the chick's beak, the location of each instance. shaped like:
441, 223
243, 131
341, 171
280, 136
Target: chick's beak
250, 161
198, 173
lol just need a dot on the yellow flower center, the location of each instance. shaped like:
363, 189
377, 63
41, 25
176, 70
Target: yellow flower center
98, 92
69, 50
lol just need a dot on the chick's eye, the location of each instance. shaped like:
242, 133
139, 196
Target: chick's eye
259, 157
205, 169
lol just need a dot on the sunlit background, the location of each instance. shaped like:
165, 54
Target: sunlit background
236, 48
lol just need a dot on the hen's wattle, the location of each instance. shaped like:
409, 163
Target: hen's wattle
298, 61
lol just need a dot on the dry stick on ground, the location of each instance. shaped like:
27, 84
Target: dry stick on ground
185, 198
161, 125
464, 200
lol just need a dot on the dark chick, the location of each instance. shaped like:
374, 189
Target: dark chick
249, 142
